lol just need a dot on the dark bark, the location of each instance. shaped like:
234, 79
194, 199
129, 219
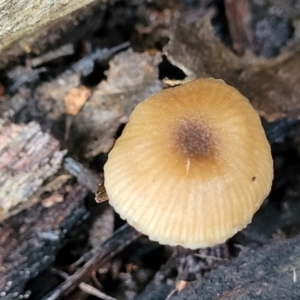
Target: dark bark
30, 240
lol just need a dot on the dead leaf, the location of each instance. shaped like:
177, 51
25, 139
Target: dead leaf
50, 95
272, 85
101, 195
76, 98
132, 77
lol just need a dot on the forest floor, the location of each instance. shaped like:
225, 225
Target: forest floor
63, 105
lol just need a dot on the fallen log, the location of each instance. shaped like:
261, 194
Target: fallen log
30, 240
29, 26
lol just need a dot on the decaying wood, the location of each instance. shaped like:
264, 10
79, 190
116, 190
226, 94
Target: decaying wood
131, 78
28, 157
88, 179
23, 75
23, 17
27, 26
103, 225
84, 176
30, 240
110, 247
86, 64
114, 245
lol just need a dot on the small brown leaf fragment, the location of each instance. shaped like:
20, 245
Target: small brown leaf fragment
53, 199
76, 98
101, 195
131, 268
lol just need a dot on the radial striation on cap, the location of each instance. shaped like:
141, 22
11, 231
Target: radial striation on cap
192, 165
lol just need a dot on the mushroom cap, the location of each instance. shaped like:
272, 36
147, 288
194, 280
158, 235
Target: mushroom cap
192, 165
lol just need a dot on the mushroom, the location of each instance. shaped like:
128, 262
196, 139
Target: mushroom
192, 165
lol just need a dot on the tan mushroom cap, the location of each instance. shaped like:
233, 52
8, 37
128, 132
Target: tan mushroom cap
192, 165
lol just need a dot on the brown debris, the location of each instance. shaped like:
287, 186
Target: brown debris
76, 98
51, 94
238, 17
101, 195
